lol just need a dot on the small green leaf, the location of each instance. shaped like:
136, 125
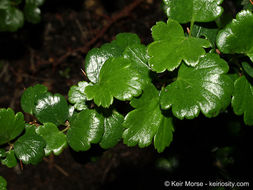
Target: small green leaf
77, 96
193, 10
112, 130
146, 120
29, 97
2, 153
85, 128
29, 148
137, 53
55, 139
32, 13
203, 88
10, 161
164, 134
242, 100
247, 68
236, 37
35, 2
51, 108
97, 57
3, 183
11, 125
171, 47
119, 79
123, 40
209, 33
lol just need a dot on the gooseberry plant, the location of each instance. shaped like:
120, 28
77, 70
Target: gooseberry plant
183, 73
13, 13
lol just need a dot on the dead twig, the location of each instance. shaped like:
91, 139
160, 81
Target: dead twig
84, 49
60, 169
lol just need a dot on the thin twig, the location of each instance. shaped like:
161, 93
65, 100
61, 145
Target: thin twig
60, 169
84, 49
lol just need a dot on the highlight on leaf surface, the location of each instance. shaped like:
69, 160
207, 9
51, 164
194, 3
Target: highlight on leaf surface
10, 161
193, 10
236, 37
11, 125
117, 79
205, 88
171, 46
147, 121
242, 100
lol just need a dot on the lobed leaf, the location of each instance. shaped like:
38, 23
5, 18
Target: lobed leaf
10, 161
77, 96
119, 79
55, 139
29, 148
242, 100
85, 128
193, 10
51, 108
171, 46
146, 121
236, 37
11, 125
30, 96
203, 88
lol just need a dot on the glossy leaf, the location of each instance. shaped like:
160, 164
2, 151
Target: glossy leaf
203, 88
164, 134
137, 54
242, 101
209, 33
170, 47
29, 148
10, 161
119, 79
247, 68
236, 37
112, 130
2, 153
51, 108
85, 128
11, 18
30, 96
11, 125
143, 123
3, 183
98, 56
193, 10
77, 96
55, 139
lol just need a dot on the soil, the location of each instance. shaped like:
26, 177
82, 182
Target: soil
52, 53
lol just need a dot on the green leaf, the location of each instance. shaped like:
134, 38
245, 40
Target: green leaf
77, 96
236, 37
55, 139
203, 88
123, 40
247, 68
51, 108
2, 153
112, 130
29, 97
209, 33
170, 47
11, 18
97, 57
193, 10
10, 161
146, 121
85, 128
32, 13
137, 54
3, 183
11, 125
119, 79
35, 2
164, 135
242, 100
29, 148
